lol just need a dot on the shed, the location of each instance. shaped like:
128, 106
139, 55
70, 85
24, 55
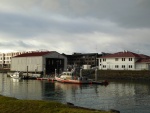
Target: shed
40, 62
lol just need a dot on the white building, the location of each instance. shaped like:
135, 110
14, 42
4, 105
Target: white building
5, 58
124, 61
39, 62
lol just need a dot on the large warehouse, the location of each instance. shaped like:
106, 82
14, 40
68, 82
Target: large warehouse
40, 62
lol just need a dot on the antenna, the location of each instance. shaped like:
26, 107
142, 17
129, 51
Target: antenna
96, 48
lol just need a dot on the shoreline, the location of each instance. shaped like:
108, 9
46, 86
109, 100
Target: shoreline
111, 74
10, 104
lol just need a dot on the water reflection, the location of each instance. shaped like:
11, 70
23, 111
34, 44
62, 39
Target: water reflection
126, 96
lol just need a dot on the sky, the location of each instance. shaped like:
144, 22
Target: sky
68, 26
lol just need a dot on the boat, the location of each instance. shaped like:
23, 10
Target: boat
69, 77
105, 82
22, 75
16, 75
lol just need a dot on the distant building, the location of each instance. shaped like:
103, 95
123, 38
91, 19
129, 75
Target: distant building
41, 62
80, 59
5, 58
124, 61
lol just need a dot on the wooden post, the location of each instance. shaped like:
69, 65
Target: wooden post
55, 72
35, 71
44, 72
80, 72
27, 71
95, 74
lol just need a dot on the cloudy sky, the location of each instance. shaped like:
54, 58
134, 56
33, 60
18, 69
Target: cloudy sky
69, 26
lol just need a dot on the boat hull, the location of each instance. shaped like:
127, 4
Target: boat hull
16, 75
72, 81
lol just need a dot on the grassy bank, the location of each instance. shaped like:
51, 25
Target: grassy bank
12, 105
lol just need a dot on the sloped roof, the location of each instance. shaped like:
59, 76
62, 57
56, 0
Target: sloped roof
144, 60
144, 56
32, 54
122, 54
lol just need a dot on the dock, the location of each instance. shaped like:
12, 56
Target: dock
45, 78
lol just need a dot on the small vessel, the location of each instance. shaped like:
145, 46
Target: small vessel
69, 77
17, 75
105, 82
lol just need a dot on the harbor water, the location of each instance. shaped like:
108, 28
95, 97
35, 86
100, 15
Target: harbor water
125, 96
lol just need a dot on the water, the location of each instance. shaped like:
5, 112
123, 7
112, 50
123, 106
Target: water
125, 96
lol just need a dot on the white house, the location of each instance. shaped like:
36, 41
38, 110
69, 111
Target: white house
42, 61
124, 61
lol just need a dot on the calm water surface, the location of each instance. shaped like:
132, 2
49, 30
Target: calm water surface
125, 96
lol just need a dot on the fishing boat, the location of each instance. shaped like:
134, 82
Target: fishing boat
69, 77
16, 75
22, 75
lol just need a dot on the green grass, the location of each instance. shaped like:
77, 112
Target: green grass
13, 105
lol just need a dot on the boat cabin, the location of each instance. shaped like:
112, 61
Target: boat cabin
66, 75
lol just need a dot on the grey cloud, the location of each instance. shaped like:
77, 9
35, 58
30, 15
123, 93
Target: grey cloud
15, 44
126, 13
70, 25
23, 26
20, 25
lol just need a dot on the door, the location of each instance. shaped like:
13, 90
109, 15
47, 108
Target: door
54, 63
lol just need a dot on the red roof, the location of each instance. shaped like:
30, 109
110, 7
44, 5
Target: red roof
34, 54
144, 56
122, 54
144, 60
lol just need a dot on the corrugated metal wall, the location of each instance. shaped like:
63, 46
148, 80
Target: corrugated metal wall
34, 64
21, 63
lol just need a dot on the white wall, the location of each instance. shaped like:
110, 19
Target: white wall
141, 66
111, 63
34, 63
21, 63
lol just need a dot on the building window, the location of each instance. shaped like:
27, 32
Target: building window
116, 59
123, 66
123, 59
130, 66
116, 66
130, 59
104, 59
104, 66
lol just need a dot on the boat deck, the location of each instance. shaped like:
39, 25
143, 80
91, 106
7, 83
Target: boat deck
45, 78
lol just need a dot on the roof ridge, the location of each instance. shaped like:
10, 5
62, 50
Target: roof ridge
123, 54
41, 53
